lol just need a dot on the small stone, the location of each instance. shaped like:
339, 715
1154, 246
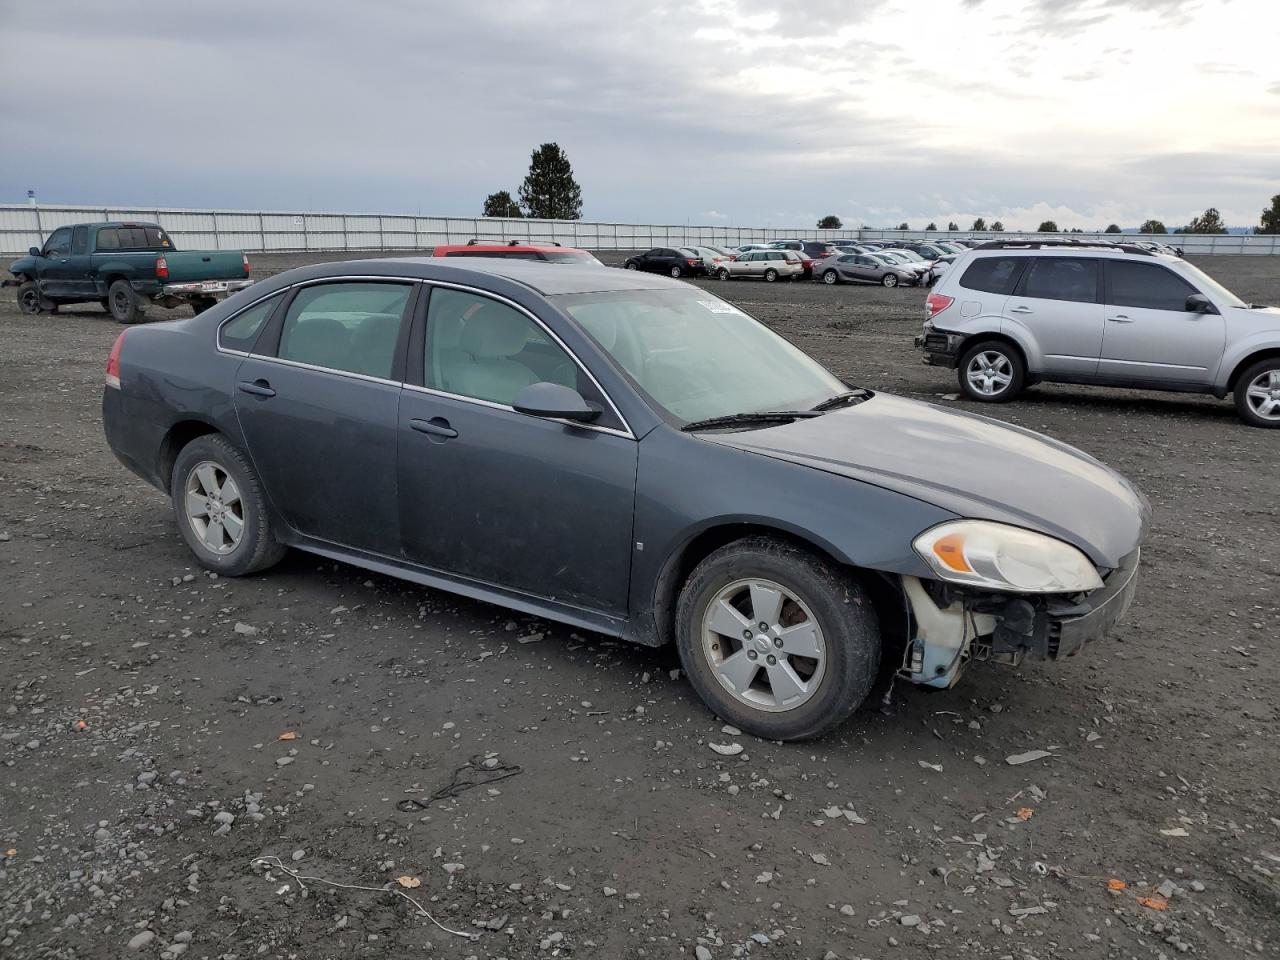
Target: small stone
701, 952
140, 940
726, 749
610, 892
224, 816
298, 855
847, 910
1021, 758
1197, 886
909, 920
283, 761
730, 731
245, 630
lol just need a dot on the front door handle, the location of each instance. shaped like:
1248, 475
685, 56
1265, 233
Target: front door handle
1119, 318
259, 388
1020, 310
436, 427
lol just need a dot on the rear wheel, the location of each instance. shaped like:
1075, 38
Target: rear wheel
200, 304
221, 509
29, 300
124, 304
677, 272
776, 640
830, 277
992, 371
770, 275
1258, 394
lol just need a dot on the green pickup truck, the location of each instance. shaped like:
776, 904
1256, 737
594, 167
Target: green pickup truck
123, 266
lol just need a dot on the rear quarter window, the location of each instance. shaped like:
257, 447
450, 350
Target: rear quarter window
241, 332
993, 274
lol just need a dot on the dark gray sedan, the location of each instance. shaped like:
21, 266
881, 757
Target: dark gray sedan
627, 454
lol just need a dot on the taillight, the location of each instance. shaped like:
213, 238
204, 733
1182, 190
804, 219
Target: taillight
113, 362
162, 268
935, 303
692, 262
244, 258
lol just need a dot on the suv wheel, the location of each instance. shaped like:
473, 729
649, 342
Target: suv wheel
776, 641
1258, 394
991, 371
220, 508
770, 275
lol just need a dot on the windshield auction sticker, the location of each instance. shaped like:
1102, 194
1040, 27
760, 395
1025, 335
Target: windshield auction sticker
719, 306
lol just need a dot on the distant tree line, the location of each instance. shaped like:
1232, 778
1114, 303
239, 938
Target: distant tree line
549, 190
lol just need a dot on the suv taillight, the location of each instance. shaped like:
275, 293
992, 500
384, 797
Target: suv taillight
935, 303
244, 258
113, 362
162, 268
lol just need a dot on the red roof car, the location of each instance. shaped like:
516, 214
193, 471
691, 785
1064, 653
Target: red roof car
553, 253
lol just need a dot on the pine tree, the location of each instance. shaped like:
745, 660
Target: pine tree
931, 226
997, 227
1048, 227
1208, 222
549, 192
979, 224
1270, 222
501, 204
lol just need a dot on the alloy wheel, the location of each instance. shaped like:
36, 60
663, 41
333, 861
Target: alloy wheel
1263, 395
214, 508
989, 373
764, 645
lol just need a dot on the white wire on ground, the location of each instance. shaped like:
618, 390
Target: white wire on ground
279, 864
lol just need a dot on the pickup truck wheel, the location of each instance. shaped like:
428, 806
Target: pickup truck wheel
777, 641
124, 303
221, 509
200, 304
29, 300
1258, 394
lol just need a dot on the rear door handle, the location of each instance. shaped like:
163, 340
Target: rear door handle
1119, 318
436, 427
259, 388
1020, 310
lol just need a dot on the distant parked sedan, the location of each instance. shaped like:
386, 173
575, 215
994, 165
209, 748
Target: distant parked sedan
712, 258
673, 261
768, 265
864, 268
908, 259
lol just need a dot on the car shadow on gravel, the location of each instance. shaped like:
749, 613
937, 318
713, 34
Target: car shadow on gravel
1110, 401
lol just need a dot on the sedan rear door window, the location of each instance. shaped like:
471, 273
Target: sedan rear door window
353, 327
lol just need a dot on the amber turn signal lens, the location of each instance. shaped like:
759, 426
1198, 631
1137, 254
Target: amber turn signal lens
950, 550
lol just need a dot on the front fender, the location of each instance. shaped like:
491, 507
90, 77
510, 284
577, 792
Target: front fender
1239, 351
24, 266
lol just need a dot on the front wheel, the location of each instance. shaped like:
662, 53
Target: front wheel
29, 300
830, 277
1258, 394
770, 275
221, 509
776, 641
722, 273
890, 280
632, 266
125, 305
992, 372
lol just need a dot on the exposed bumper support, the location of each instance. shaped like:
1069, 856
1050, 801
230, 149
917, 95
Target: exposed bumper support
203, 288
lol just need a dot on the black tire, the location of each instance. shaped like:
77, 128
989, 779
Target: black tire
830, 277
839, 605
770, 275
889, 280
1016, 368
106, 304
257, 548
631, 265
124, 304
677, 272
30, 301
200, 304
1271, 365
722, 274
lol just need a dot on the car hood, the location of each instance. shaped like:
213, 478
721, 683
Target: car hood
969, 465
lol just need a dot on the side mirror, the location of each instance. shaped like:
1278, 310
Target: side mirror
555, 401
34, 251
1198, 303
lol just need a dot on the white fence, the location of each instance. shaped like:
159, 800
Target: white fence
23, 226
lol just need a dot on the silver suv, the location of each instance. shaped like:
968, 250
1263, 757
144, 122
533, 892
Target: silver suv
1012, 313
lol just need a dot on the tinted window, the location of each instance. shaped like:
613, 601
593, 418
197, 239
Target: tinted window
241, 333
59, 241
108, 239
992, 274
1146, 285
345, 326
80, 240
480, 348
1061, 278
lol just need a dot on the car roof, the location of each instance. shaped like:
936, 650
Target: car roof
509, 247
544, 278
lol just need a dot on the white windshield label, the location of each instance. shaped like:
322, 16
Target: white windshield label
719, 306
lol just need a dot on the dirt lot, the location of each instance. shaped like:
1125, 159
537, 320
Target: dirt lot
144, 706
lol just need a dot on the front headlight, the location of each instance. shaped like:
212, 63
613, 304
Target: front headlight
982, 553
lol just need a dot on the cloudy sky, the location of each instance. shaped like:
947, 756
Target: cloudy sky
756, 113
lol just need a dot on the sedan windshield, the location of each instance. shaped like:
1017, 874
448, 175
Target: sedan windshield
696, 356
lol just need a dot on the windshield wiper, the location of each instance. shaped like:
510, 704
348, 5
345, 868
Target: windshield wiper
842, 400
761, 416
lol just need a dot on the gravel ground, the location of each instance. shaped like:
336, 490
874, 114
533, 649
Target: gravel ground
163, 728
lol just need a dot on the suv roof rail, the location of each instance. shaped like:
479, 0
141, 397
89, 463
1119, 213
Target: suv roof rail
1056, 242
512, 243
